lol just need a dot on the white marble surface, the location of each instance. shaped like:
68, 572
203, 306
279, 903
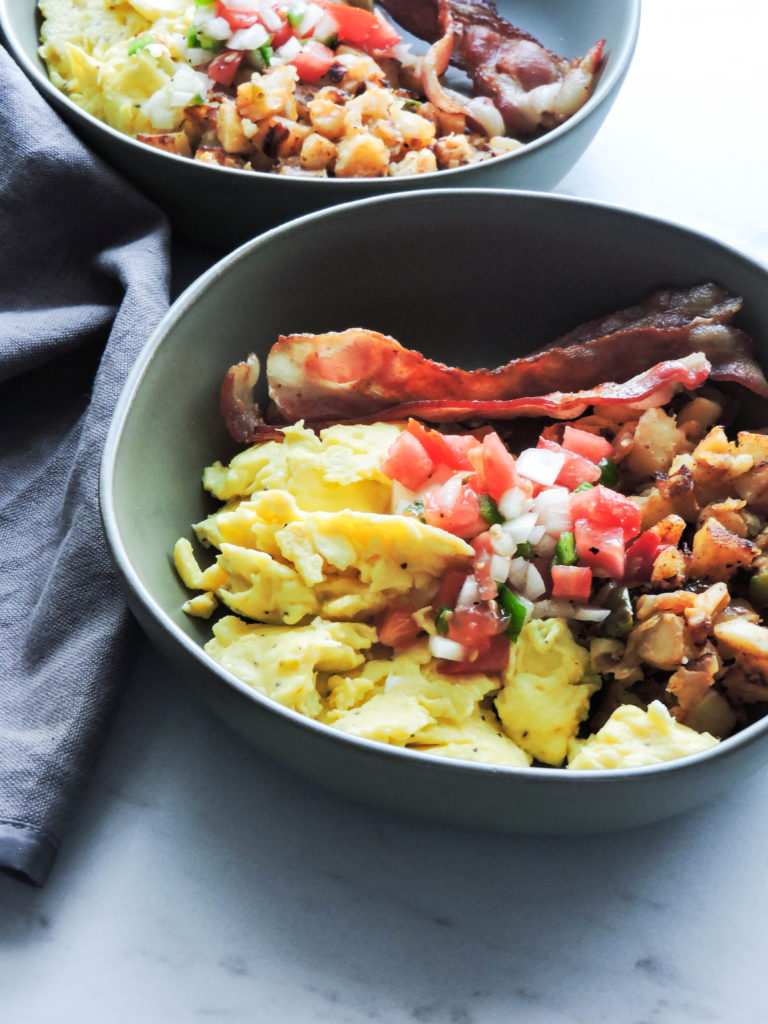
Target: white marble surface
202, 882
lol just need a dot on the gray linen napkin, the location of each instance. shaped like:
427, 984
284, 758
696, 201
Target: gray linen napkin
84, 270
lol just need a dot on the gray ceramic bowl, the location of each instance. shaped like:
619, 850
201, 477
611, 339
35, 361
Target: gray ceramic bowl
469, 276
240, 203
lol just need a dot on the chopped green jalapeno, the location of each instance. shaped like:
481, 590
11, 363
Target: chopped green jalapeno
265, 54
515, 608
565, 552
609, 474
619, 623
441, 622
295, 16
489, 510
140, 43
413, 105
758, 589
583, 487
415, 508
525, 550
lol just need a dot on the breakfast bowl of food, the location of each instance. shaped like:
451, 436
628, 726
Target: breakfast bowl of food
236, 115
469, 521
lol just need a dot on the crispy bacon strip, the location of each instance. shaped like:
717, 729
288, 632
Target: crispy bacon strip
652, 388
242, 416
357, 372
532, 87
665, 308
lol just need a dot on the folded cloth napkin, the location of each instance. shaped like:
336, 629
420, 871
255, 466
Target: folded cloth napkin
85, 268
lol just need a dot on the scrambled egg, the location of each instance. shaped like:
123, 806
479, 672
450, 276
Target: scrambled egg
336, 471
547, 687
404, 700
307, 553
632, 737
86, 43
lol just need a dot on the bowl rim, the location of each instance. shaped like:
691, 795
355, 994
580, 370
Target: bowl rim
725, 749
612, 75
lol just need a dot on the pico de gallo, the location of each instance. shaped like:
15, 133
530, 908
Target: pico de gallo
548, 527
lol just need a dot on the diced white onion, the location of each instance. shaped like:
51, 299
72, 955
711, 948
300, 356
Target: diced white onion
520, 529
446, 649
518, 573
499, 568
312, 16
204, 14
451, 489
501, 542
157, 50
545, 547
512, 502
249, 38
326, 27
553, 508
540, 465
158, 109
534, 584
289, 49
241, 5
536, 534
401, 497
185, 85
217, 28
271, 18
197, 55
391, 681
591, 614
469, 594
435, 480
553, 609
569, 610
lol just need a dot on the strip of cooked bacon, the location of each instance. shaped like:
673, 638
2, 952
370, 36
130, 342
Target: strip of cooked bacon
357, 372
242, 416
532, 87
652, 388
665, 308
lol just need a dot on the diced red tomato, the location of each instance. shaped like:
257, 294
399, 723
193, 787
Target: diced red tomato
641, 554
313, 61
499, 469
487, 587
600, 547
589, 446
237, 18
396, 628
282, 35
606, 509
454, 509
576, 469
474, 627
493, 658
223, 68
361, 28
443, 449
571, 582
407, 462
450, 588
